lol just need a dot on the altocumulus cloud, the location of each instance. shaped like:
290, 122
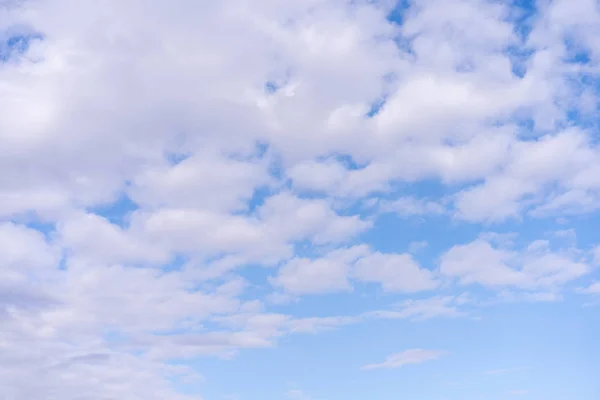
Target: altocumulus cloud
183, 181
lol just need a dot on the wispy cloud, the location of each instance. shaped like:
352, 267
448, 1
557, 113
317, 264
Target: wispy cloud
408, 357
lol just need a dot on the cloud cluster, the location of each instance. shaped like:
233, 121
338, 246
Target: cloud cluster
332, 272
536, 267
151, 151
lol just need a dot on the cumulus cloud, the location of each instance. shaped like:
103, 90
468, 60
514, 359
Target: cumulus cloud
535, 267
334, 272
150, 151
395, 273
326, 274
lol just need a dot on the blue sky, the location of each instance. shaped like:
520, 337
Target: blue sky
309, 200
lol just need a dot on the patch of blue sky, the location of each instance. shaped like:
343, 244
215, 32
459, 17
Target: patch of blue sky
519, 56
392, 233
176, 263
338, 355
15, 43
33, 221
271, 87
175, 158
523, 14
398, 12
258, 198
261, 193
117, 212
278, 80
376, 106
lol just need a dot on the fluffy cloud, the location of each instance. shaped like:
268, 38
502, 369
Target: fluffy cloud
565, 159
536, 267
395, 273
326, 274
150, 151
93, 237
331, 273
204, 180
25, 250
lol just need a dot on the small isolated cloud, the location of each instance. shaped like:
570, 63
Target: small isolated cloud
408, 357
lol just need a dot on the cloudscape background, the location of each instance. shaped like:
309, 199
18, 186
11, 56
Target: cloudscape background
306, 200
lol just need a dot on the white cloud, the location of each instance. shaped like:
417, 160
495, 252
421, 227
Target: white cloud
424, 309
537, 267
318, 176
394, 272
479, 262
204, 180
410, 206
25, 250
26, 258
408, 357
327, 274
322, 114
95, 238
298, 219
593, 289
332, 272
166, 105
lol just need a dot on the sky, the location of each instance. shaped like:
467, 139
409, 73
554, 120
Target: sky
299, 200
